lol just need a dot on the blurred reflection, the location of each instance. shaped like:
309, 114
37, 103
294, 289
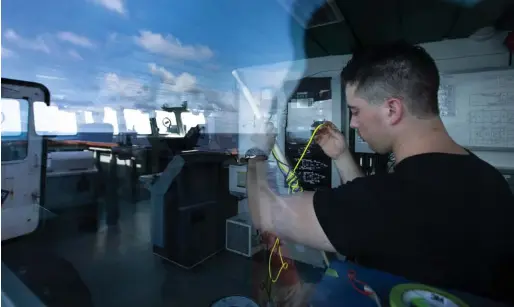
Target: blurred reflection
123, 76
132, 83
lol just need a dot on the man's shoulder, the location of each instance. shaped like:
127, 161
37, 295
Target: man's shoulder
371, 185
486, 172
380, 180
444, 163
453, 174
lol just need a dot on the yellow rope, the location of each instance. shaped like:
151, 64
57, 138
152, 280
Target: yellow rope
294, 185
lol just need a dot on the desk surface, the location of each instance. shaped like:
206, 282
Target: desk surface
338, 291
57, 143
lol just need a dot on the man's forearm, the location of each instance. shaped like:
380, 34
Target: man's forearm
259, 194
348, 169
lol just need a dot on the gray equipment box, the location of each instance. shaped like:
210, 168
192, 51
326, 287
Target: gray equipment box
70, 180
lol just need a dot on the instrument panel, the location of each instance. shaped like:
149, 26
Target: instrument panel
309, 106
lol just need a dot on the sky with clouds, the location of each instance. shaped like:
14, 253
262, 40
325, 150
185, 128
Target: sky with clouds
140, 52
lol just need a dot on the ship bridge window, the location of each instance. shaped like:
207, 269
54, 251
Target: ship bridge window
190, 120
167, 123
88, 117
50, 120
111, 117
14, 129
137, 121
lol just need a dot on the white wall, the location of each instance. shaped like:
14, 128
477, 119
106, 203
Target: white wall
467, 55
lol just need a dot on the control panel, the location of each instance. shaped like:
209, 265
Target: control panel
309, 106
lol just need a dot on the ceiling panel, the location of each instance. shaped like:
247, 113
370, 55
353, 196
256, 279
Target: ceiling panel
416, 21
506, 20
372, 21
311, 48
483, 14
335, 38
426, 20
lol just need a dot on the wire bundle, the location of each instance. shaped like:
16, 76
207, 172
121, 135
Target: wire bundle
294, 186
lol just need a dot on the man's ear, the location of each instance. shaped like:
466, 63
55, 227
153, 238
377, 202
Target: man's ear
395, 110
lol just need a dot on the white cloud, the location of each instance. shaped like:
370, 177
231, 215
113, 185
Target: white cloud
7, 53
37, 44
48, 77
185, 87
112, 37
182, 83
170, 89
161, 72
75, 39
170, 46
116, 87
134, 92
11, 35
75, 55
222, 99
58, 97
117, 6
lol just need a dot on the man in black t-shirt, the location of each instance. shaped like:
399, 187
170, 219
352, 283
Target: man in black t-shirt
443, 218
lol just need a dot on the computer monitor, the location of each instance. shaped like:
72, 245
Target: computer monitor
241, 179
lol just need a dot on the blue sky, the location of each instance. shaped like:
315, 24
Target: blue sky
132, 51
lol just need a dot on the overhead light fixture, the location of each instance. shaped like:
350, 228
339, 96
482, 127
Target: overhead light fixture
311, 14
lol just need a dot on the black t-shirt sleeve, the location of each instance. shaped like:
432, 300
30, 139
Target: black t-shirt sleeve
353, 216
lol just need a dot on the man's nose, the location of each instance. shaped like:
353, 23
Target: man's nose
353, 123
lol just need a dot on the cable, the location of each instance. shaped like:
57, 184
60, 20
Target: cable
294, 186
291, 179
352, 276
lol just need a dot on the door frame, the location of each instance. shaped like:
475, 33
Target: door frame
31, 117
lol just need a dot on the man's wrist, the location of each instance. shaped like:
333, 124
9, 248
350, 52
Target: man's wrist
344, 157
348, 169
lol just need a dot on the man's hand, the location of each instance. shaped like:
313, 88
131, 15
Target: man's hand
331, 140
265, 137
333, 143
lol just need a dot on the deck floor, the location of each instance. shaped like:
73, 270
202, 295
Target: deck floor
119, 269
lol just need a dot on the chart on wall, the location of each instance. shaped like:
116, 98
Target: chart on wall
477, 108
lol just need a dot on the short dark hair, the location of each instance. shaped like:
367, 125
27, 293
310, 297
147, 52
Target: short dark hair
396, 70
